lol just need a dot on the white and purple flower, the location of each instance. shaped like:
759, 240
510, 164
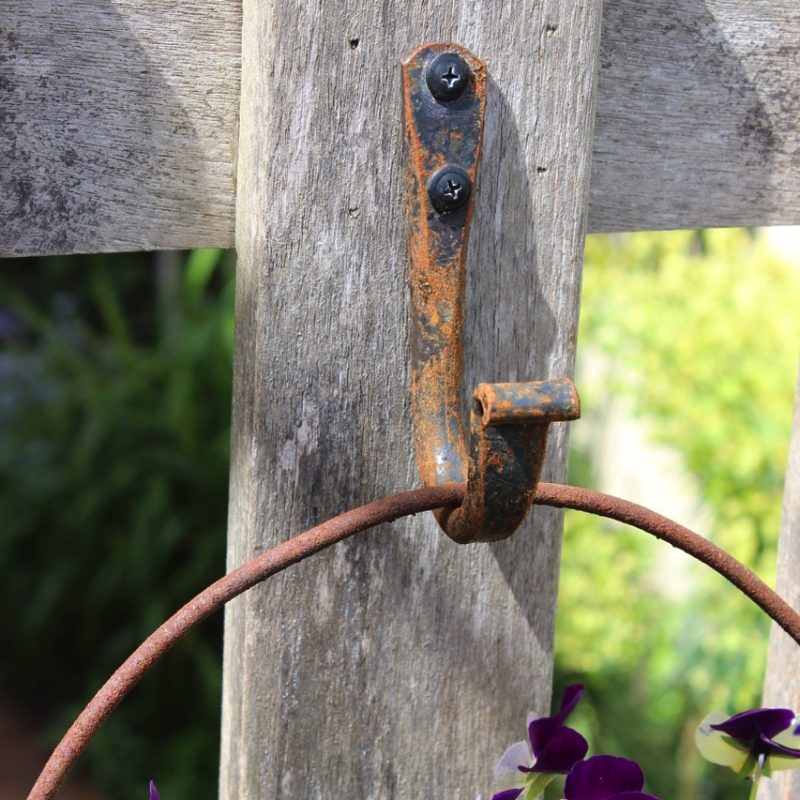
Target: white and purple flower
754, 743
551, 749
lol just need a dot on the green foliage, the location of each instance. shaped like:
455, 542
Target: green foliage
114, 416
702, 332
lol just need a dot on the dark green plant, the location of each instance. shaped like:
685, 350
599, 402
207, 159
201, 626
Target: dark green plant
114, 419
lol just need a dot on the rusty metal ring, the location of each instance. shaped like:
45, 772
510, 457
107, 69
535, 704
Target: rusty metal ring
335, 530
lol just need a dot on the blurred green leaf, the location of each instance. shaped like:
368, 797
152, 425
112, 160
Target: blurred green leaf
200, 267
114, 463
702, 334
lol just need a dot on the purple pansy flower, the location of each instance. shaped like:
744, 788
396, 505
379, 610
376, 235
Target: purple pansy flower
551, 749
606, 778
154, 795
753, 743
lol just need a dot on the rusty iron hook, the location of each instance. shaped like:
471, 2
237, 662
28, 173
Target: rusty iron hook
444, 93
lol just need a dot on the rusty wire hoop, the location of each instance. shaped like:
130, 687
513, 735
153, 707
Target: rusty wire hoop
355, 521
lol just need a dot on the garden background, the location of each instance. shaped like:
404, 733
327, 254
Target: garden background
115, 385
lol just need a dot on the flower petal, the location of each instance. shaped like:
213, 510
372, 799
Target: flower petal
507, 794
778, 763
776, 747
509, 766
540, 730
569, 700
154, 795
715, 746
632, 796
562, 750
787, 745
780, 756
788, 739
603, 777
749, 725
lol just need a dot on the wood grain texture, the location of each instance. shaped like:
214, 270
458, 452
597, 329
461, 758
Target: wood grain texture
118, 119
400, 664
118, 124
782, 682
698, 115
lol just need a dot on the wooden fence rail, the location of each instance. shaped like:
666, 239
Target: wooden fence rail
119, 123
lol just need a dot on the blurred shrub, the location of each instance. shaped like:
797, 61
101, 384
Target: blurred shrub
114, 418
702, 332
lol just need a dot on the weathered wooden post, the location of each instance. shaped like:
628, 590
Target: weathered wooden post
399, 664
782, 683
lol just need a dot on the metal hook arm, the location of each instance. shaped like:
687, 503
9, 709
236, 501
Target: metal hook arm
444, 91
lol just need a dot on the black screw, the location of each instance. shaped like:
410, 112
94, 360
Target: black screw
447, 76
449, 189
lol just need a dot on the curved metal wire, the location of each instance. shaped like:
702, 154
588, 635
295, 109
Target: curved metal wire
604, 505
360, 519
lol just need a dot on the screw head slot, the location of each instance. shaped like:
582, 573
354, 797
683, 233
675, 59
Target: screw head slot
449, 189
447, 76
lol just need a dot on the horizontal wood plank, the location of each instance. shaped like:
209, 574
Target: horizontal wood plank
698, 115
117, 124
119, 120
